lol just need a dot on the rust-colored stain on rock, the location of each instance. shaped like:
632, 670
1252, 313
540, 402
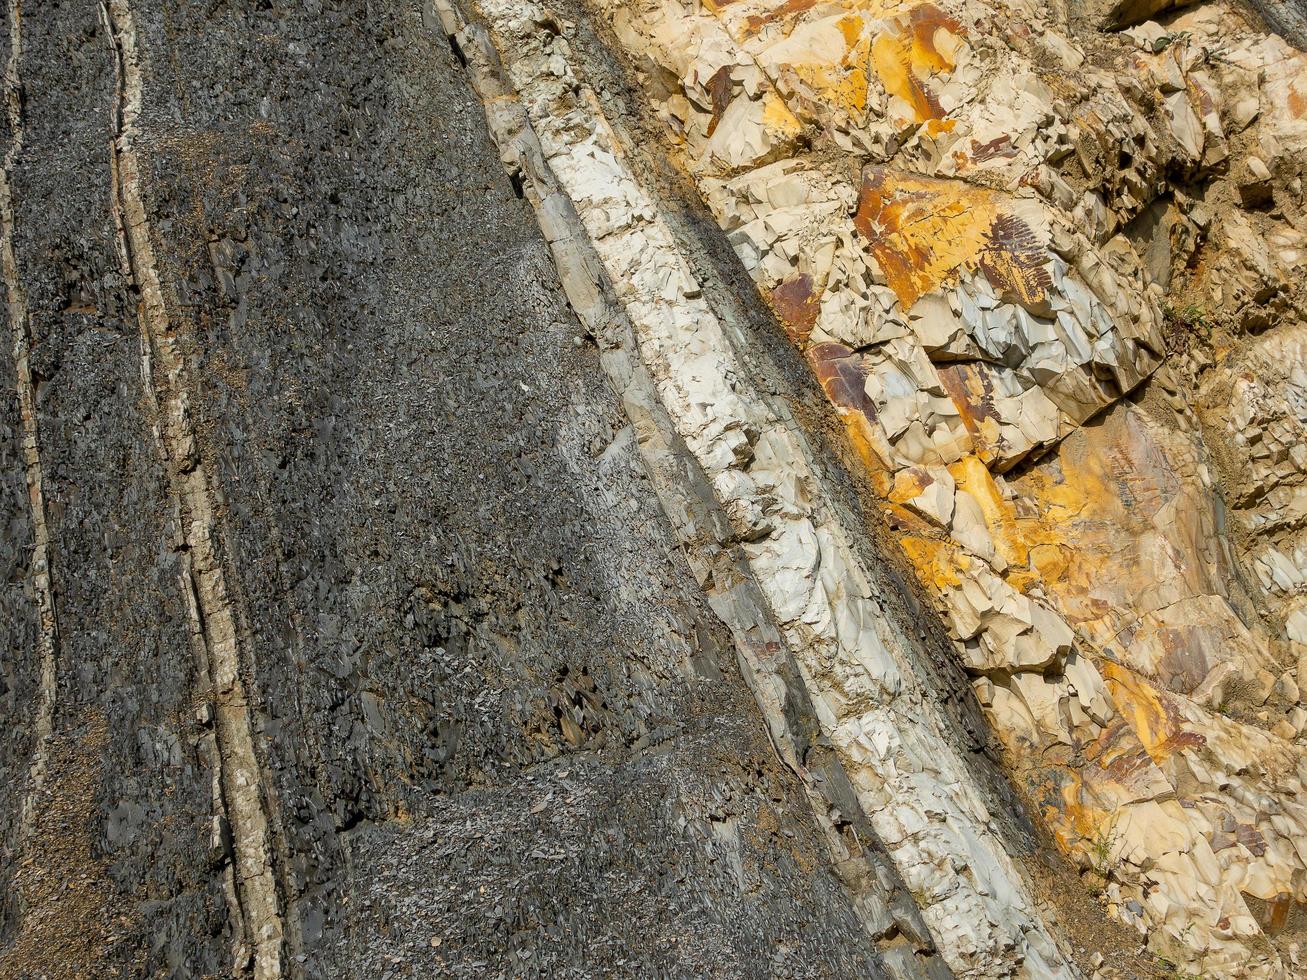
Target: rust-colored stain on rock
1120, 756
788, 13
1150, 713
973, 394
939, 564
1000, 146
1276, 914
796, 306
1014, 262
842, 377
791, 8
719, 88
844, 82
920, 230
919, 45
1297, 103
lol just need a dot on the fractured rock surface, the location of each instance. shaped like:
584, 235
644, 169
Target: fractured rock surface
630, 487
982, 261
499, 728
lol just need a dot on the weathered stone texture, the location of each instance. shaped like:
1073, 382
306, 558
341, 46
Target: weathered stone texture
434, 544
498, 726
968, 222
122, 830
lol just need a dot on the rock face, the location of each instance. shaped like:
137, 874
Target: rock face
630, 487
982, 261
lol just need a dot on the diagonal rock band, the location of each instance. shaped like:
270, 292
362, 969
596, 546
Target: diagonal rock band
967, 329
908, 781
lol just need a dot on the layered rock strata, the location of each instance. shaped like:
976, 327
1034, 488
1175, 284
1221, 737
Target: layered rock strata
496, 726
982, 239
435, 546
908, 779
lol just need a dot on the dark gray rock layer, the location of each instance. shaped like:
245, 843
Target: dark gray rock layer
499, 729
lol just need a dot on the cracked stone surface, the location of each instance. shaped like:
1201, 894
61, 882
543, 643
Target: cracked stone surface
983, 260
654, 487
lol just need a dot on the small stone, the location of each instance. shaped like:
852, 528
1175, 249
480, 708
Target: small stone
1244, 112
1265, 682
1287, 688
436, 941
1254, 184
1296, 627
1285, 730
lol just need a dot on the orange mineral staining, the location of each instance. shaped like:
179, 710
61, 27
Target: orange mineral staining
843, 377
1014, 263
938, 564
1153, 720
796, 306
1297, 103
973, 394
791, 8
719, 87
919, 45
920, 230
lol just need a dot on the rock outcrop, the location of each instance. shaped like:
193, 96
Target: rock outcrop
982, 260
645, 486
